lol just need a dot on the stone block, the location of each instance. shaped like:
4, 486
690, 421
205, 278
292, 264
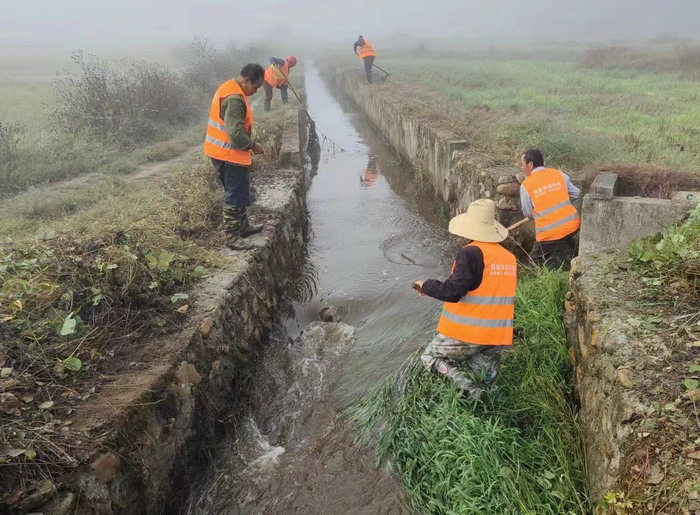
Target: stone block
507, 203
329, 314
511, 189
605, 185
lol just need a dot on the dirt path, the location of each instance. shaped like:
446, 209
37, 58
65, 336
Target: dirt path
162, 167
23, 212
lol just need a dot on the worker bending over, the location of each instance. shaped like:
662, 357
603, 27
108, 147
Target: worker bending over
230, 146
546, 195
476, 323
276, 76
367, 54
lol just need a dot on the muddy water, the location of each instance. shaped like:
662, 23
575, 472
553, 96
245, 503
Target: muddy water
373, 234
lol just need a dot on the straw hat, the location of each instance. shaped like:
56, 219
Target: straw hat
479, 223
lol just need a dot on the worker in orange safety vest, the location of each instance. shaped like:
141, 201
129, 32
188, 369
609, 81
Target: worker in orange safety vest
367, 54
547, 195
476, 323
276, 76
230, 145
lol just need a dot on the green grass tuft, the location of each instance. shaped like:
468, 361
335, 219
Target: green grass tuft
518, 452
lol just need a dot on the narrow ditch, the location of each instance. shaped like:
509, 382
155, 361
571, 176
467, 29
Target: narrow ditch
372, 234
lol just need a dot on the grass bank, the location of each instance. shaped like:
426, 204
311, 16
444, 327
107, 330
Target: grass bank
517, 452
581, 116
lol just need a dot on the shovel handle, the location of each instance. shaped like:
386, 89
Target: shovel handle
518, 224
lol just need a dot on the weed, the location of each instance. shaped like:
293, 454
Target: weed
76, 300
518, 452
443, 213
670, 262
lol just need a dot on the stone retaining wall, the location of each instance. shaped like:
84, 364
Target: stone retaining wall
631, 356
152, 429
457, 175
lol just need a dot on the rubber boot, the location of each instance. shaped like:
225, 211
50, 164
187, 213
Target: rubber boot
234, 218
268, 105
246, 228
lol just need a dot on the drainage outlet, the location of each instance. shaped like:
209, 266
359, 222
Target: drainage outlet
448, 190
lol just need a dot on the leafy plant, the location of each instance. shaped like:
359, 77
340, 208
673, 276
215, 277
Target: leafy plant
670, 257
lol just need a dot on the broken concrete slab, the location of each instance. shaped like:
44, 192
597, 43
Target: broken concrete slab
605, 185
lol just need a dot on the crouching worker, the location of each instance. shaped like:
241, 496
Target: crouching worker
477, 318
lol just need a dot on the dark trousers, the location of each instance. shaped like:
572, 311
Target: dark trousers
556, 253
284, 92
369, 62
236, 182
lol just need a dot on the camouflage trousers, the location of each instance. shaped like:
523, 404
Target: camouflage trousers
471, 367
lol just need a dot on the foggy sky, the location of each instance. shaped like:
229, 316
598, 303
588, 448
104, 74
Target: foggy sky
95, 24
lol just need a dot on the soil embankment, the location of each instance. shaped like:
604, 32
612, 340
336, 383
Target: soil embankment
136, 439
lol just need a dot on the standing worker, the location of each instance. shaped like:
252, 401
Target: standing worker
230, 146
367, 54
477, 317
276, 77
546, 195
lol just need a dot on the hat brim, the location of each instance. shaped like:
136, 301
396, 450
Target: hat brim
487, 233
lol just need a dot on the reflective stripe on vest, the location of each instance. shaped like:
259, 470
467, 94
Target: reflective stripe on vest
273, 75
366, 50
555, 216
217, 143
485, 316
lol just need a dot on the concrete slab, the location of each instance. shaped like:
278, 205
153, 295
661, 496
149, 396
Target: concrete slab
614, 223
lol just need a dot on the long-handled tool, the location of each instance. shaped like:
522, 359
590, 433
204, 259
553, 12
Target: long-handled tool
383, 70
311, 121
518, 224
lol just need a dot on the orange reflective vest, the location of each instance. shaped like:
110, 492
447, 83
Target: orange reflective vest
273, 76
217, 143
555, 216
366, 50
485, 316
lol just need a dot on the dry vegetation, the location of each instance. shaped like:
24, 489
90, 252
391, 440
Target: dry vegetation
108, 116
91, 268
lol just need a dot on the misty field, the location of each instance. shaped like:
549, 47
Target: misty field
582, 116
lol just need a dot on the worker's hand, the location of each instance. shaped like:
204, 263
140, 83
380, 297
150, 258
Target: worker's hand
418, 286
257, 148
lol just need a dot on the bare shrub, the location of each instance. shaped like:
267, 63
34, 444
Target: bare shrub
129, 102
206, 66
10, 133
